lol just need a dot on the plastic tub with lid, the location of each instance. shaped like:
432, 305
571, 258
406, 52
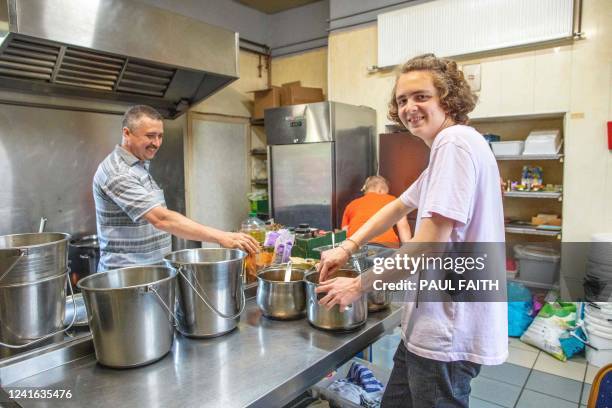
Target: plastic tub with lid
537, 263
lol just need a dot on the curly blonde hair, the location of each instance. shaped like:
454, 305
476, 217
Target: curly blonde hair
456, 97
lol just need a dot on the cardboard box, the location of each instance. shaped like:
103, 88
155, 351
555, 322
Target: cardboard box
293, 93
266, 99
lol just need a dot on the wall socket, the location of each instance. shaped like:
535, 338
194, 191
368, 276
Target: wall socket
472, 75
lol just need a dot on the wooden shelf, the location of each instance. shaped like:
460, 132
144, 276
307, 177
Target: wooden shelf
532, 157
533, 194
532, 231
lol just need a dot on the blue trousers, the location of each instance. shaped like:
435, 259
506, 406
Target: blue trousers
418, 382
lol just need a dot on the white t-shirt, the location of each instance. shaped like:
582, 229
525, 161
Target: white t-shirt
461, 183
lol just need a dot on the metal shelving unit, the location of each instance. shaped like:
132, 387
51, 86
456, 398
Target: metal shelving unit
535, 285
532, 231
533, 194
531, 157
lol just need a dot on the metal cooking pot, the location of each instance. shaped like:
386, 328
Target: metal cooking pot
129, 314
84, 255
278, 299
377, 300
353, 317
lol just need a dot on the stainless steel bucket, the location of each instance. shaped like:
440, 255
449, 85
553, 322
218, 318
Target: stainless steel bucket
129, 314
211, 297
278, 299
32, 257
353, 317
31, 312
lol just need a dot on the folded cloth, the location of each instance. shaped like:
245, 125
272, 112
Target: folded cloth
355, 394
362, 376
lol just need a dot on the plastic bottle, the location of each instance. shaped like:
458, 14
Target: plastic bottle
254, 227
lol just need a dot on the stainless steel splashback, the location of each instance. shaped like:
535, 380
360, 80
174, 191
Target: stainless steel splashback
114, 50
48, 158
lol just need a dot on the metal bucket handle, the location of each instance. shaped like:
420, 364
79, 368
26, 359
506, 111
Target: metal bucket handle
151, 288
203, 297
74, 313
22, 253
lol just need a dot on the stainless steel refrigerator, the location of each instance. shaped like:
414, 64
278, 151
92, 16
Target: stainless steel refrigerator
319, 155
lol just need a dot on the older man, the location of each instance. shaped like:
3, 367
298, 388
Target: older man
134, 225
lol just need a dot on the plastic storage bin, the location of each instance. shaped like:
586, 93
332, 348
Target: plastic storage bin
537, 263
542, 142
510, 148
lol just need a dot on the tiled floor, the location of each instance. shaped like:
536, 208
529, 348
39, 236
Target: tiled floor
530, 378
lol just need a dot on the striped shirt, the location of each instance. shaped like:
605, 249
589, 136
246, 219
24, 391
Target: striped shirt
124, 192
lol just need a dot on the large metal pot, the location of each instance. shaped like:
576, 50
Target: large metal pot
353, 317
360, 261
278, 299
84, 255
129, 314
211, 296
31, 257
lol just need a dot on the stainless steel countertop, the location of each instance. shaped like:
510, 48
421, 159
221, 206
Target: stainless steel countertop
263, 363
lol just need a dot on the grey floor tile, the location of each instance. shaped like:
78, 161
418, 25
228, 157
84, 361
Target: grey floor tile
554, 385
478, 403
506, 372
532, 399
586, 390
494, 391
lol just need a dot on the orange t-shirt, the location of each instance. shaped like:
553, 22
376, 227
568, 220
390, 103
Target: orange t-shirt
362, 209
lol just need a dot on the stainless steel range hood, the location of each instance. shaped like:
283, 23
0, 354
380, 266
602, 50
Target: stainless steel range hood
114, 51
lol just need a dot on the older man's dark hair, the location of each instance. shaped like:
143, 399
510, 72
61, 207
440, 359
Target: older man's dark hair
131, 117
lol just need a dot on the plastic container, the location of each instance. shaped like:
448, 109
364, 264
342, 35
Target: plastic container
510, 148
254, 227
542, 142
537, 263
603, 342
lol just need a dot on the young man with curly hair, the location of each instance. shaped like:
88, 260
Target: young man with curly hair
458, 200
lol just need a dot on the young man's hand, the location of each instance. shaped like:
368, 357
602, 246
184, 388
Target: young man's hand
340, 291
331, 260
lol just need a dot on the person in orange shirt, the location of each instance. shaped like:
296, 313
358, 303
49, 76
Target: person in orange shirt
376, 196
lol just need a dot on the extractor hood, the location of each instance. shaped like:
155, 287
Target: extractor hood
114, 51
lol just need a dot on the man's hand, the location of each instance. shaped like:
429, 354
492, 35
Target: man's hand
340, 291
331, 260
239, 240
